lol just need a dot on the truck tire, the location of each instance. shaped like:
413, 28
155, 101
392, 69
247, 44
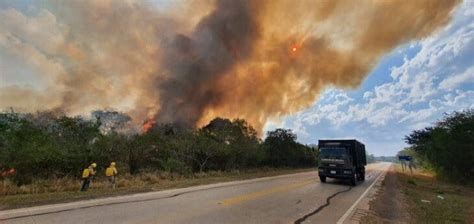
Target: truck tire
354, 180
362, 176
322, 179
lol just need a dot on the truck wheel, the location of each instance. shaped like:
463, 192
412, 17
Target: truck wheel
362, 176
354, 180
322, 178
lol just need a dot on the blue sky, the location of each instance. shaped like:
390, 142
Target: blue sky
411, 88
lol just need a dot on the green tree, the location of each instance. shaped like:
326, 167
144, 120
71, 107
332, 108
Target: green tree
283, 150
43, 145
240, 141
448, 146
370, 158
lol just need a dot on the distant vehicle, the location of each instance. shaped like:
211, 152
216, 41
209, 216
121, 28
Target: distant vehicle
342, 159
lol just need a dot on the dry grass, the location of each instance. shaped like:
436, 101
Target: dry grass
67, 189
456, 207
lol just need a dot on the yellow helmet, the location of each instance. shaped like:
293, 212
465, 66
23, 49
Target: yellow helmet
94, 165
112, 164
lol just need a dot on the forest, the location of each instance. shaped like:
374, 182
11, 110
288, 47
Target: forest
51, 145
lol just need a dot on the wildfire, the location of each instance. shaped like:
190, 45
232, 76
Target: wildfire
8, 173
148, 125
294, 49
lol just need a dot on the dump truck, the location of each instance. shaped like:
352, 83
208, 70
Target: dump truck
342, 159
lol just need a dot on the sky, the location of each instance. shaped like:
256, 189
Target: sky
411, 88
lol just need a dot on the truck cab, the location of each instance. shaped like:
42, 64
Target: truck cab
342, 159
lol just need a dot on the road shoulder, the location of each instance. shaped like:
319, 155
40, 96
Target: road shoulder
403, 197
153, 195
365, 208
387, 203
153, 183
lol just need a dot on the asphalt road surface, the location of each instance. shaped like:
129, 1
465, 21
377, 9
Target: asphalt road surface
295, 198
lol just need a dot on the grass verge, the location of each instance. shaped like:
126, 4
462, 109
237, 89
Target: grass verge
58, 191
430, 200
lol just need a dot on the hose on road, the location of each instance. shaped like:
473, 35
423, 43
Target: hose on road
328, 202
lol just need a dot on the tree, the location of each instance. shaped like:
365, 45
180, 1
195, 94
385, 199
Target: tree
448, 146
370, 158
50, 144
111, 121
45, 145
240, 140
283, 150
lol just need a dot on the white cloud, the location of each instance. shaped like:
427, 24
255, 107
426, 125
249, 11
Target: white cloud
459, 100
331, 108
454, 81
368, 95
424, 87
415, 82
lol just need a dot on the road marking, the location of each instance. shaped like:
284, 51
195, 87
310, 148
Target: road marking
258, 194
349, 211
130, 198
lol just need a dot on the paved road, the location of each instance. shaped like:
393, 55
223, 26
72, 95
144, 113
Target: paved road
295, 198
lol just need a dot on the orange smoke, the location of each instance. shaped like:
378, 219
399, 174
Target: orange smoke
256, 60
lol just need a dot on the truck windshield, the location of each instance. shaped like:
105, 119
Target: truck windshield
333, 152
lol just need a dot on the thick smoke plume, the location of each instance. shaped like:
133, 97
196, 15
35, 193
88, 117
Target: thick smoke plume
190, 62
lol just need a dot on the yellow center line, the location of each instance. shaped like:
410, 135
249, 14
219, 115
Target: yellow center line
258, 194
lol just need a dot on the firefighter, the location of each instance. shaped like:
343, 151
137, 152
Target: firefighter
87, 176
111, 174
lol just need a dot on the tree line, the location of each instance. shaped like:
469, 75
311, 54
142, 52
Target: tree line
48, 145
446, 147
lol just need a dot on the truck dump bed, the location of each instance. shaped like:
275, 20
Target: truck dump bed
356, 149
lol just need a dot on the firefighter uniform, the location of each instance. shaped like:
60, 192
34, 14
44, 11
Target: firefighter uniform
87, 175
111, 174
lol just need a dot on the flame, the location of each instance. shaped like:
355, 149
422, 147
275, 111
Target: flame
148, 125
294, 49
8, 173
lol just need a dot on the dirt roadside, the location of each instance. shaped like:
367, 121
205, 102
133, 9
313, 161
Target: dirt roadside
418, 197
389, 204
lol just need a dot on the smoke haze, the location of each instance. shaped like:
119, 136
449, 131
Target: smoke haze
196, 60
